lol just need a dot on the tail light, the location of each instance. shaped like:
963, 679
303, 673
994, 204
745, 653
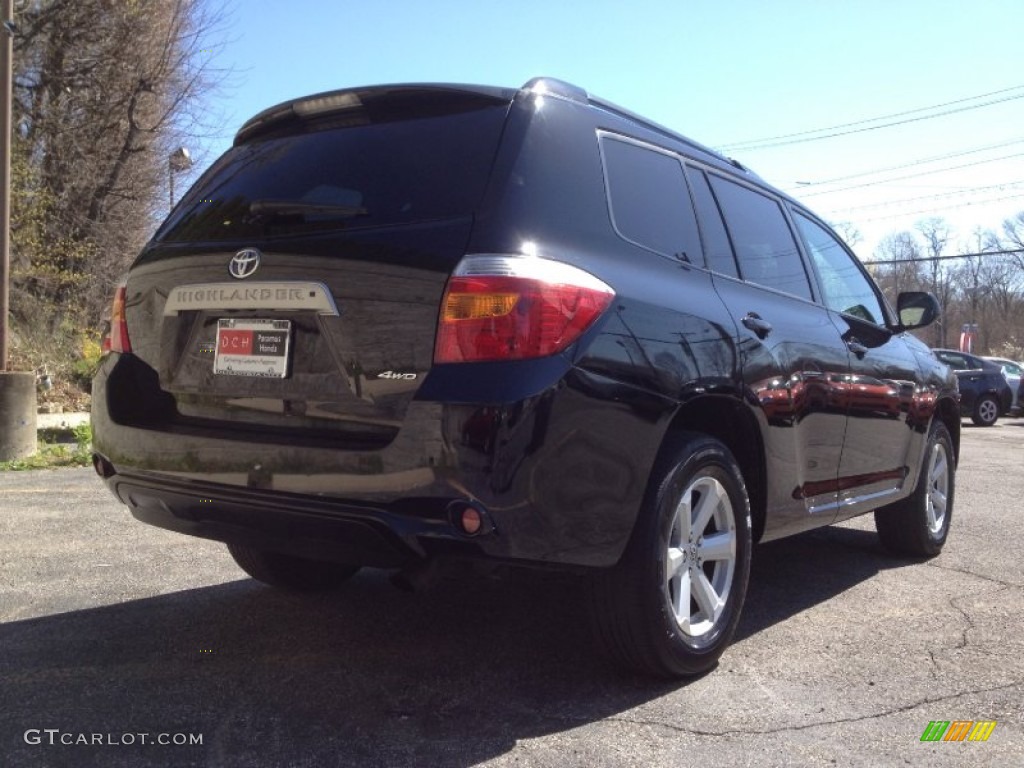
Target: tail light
117, 337
509, 307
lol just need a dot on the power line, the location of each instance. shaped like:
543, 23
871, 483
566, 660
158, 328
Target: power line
806, 136
1011, 252
876, 119
911, 175
957, 193
911, 164
939, 208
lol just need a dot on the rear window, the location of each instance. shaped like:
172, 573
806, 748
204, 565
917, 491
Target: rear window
362, 168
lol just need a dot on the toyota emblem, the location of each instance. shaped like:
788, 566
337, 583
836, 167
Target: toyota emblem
244, 263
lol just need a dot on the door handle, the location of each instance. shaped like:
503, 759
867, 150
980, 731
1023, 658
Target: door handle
753, 321
857, 348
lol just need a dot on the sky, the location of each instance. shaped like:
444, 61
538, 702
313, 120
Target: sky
730, 74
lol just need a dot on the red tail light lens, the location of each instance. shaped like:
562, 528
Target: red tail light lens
117, 338
499, 307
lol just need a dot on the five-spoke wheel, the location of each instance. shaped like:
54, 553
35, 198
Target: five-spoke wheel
701, 558
919, 524
671, 605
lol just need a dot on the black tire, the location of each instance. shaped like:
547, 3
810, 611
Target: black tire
919, 524
986, 411
295, 574
634, 605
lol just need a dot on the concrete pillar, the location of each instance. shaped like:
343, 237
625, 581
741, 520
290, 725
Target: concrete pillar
17, 415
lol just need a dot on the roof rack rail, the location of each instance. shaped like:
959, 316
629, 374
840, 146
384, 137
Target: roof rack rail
555, 87
561, 89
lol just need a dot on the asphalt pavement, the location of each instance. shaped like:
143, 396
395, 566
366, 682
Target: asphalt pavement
115, 637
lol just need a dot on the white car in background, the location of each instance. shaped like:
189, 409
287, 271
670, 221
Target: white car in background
1012, 371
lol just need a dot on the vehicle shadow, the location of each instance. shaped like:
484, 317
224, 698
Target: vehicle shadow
366, 676
790, 575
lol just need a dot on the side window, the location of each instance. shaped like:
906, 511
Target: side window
973, 362
765, 248
845, 287
650, 204
717, 250
953, 360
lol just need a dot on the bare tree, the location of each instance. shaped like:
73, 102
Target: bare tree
981, 285
903, 275
936, 234
104, 90
1003, 276
849, 232
973, 290
1013, 231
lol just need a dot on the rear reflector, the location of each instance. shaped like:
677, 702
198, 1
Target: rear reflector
508, 307
117, 338
470, 518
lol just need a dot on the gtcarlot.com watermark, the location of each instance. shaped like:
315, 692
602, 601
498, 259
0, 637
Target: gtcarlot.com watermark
56, 737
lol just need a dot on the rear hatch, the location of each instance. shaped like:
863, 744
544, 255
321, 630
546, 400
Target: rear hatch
294, 292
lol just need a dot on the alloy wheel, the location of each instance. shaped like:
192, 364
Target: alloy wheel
701, 558
938, 489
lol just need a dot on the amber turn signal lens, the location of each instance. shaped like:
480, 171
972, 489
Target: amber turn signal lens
474, 306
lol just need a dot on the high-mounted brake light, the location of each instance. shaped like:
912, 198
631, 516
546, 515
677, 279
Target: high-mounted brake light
117, 338
509, 307
326, 103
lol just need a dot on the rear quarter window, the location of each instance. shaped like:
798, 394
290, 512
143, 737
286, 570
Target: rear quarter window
649, 200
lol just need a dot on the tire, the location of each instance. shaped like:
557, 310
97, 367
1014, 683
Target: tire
986, 411
919, 524
658, 612
295, 574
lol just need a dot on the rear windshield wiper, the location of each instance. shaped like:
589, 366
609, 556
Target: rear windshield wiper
299, 208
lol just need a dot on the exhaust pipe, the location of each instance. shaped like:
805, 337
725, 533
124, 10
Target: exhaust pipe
103, 467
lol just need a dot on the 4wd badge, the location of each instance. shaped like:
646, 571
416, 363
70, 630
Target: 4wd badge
396, 375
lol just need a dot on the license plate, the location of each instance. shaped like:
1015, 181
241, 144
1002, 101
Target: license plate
252, 348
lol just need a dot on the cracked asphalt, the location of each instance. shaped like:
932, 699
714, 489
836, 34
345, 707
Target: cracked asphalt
114, 629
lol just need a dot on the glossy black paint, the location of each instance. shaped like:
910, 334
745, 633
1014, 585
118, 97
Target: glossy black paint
825, 419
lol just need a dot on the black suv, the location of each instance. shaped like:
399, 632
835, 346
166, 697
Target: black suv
398, 326
984, 392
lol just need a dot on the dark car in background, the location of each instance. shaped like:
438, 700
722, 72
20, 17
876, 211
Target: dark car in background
985, 394
398, 326
1014, 374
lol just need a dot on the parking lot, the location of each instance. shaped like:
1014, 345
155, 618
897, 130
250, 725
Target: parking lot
114, 629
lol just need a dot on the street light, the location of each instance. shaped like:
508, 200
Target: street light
179, 160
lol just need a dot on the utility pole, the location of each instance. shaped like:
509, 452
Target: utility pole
17, 390
6, 91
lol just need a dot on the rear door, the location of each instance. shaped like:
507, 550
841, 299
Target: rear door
790, 349
297, 285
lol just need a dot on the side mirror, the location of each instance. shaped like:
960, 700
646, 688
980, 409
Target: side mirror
916, 309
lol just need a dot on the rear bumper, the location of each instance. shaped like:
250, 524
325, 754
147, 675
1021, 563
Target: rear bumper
291, 523
561, 474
